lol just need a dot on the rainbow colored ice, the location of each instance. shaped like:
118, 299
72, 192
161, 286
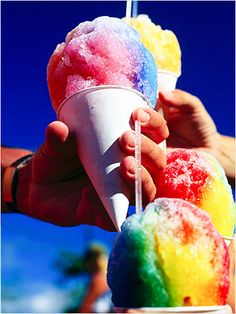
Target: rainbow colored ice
170, 255
106, 51
197, 177
163, 44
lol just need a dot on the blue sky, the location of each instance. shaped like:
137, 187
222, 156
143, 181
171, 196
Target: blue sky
30, 33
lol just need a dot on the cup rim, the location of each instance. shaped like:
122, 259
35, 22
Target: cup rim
228, 238
100, 87
175, 75
179, 309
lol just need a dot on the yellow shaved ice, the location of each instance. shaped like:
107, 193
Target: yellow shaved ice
163, 44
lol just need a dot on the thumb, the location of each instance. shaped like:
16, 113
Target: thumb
56, 160
59, 142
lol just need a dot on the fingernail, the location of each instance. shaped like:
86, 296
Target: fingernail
131, 142
143, 116
132, 168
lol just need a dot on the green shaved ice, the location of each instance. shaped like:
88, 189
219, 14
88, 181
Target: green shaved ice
129, 274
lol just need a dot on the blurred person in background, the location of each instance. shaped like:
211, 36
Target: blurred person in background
98, 297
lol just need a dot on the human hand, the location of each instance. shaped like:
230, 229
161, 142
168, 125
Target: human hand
191, 126
53, 186
154, 131
189, 123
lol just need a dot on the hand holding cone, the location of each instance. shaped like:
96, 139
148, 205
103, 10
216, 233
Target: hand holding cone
97, 117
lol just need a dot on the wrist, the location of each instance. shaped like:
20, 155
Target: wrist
24, 179
12, 182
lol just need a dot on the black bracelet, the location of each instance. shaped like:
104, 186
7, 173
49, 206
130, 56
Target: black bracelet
12, 205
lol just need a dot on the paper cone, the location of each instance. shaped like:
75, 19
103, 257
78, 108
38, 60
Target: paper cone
166, 80
228, 240
224, 309
97, 117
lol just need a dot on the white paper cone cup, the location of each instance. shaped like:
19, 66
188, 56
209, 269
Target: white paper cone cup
166, 80
224, 309
228, 240
97, 117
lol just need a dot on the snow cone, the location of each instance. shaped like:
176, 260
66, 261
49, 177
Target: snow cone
96, 78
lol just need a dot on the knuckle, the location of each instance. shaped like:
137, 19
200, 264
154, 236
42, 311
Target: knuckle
196, 100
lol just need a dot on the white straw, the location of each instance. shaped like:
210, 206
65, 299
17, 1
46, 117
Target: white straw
162, 145
135, 8
128, 11
138, 180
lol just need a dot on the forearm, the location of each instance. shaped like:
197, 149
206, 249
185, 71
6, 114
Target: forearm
226, 156
8, 156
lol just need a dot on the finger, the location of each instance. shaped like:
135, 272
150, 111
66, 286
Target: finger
56, 159
153, 157
127, 171
152, 124
92, 212
59, 142
181, 100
